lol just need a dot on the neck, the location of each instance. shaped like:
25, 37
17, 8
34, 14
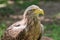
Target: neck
32, 20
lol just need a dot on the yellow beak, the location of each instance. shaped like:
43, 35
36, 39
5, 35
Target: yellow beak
39, 11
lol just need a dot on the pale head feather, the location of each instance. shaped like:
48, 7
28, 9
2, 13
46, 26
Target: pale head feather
30, 8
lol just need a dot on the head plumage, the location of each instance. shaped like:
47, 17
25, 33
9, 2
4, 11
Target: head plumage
37, 11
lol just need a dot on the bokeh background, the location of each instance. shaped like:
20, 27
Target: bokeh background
12, 11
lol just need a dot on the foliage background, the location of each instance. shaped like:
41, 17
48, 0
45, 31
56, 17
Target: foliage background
13, 9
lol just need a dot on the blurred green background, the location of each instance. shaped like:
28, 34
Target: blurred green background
11, 11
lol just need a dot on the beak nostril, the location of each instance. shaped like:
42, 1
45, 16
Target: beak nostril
40, 15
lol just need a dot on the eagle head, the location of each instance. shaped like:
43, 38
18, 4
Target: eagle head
33, 10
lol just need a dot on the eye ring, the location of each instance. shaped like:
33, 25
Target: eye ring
33, 9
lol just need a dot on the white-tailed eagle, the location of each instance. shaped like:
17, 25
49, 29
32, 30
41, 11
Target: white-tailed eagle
29, 28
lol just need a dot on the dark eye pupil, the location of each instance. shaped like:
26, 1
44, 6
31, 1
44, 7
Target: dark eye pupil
34, 9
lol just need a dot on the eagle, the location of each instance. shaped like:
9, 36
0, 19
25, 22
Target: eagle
28, 28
